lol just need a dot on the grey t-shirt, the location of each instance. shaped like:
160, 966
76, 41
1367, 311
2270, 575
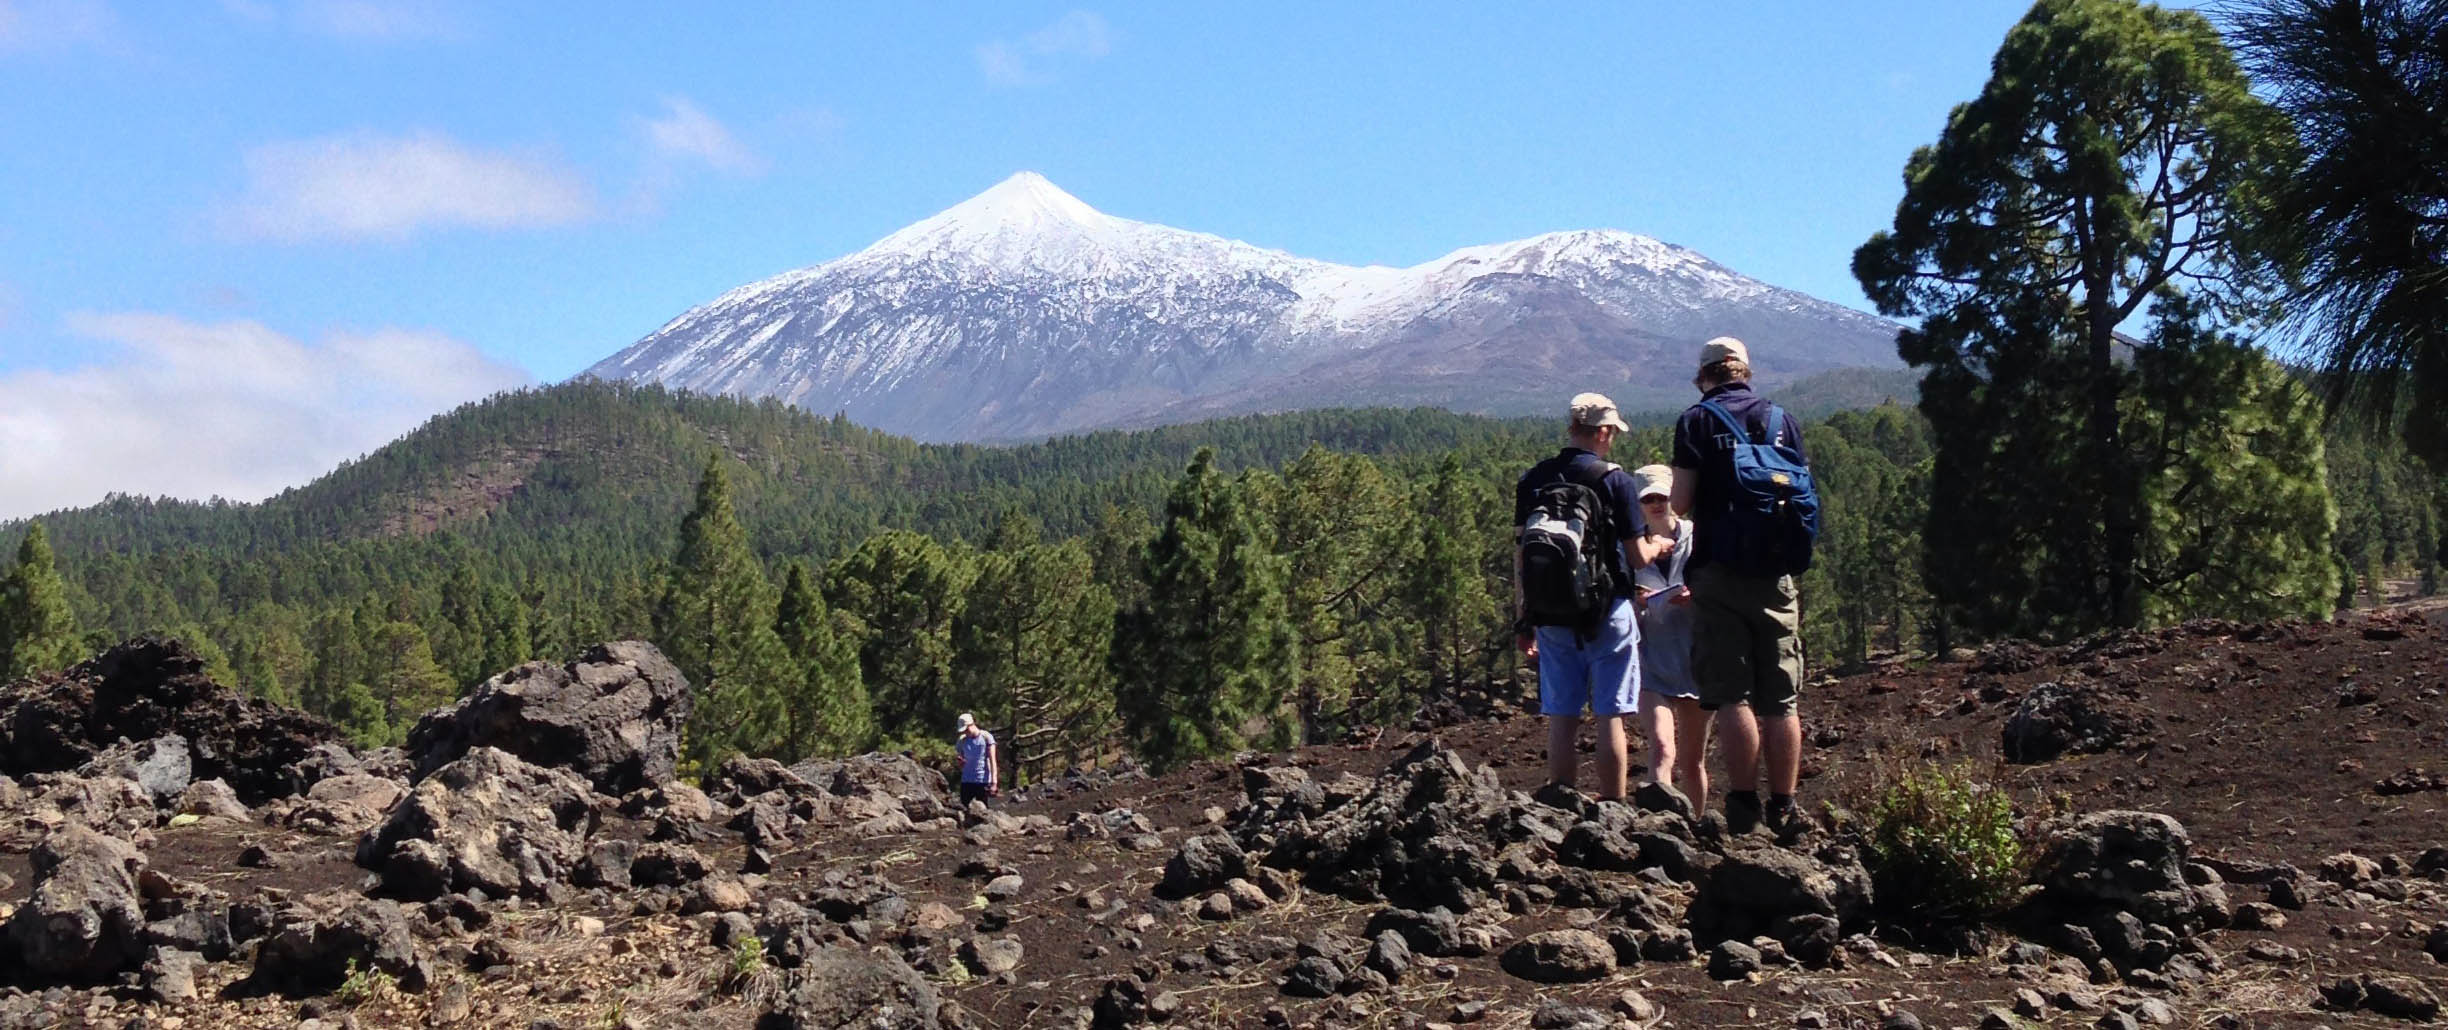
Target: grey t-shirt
1666, 629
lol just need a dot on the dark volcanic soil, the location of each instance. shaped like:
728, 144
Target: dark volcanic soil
2284, 743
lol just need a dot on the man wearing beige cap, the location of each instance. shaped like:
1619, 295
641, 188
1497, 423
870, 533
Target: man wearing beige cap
1578, 537
1747, 648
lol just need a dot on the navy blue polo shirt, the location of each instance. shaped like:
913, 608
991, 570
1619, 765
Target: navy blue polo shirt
1623, 508
1702, 444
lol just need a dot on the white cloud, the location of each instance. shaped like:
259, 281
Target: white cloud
685, 132
55, 24
233, 409
367, 186
1033, 58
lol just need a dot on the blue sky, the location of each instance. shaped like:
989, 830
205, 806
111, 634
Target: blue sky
241, 240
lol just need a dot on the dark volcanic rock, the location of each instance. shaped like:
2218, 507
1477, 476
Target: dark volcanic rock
1733, 960
2401, 996
1202, 864
614, 717
148, 688
667, 865
1434, 933
1759, 891
324, 939
2122, 873
2057, 718
841, 989
1424, 834
163, 766
1560, 956
85, 922
488, 822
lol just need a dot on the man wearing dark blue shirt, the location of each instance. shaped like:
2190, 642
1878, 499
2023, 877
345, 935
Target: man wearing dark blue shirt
1747, 646
1595, 667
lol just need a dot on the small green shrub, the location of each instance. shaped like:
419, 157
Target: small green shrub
1943, 845
744, 964
363, 984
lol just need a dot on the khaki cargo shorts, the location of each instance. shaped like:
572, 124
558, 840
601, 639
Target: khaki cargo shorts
1747, 643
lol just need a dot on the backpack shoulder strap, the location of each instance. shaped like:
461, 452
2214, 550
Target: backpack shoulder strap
1736, 428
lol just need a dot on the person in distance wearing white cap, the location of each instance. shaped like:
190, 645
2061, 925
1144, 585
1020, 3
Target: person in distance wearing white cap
981, 767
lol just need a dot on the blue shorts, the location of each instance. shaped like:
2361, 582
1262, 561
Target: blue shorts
1602, 674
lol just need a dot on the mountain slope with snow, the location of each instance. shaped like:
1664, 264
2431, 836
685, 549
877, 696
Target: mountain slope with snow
1024, 312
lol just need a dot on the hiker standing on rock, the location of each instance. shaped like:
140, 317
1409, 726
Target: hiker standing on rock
1578, 536
1740, 473
1669, 698
981, 767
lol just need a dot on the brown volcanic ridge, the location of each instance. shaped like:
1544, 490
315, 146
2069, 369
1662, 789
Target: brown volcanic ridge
531, 861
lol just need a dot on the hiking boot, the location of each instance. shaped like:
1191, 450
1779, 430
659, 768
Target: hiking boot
1787, 821
1742, 815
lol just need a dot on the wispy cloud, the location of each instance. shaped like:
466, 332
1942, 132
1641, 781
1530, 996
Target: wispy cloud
368, 186
27, 25
1035, 57
383, 21
684, 132
233, 409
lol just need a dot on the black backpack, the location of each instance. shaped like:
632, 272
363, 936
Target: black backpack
1566, 577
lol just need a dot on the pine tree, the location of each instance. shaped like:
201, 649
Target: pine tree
825, 707
1206, 664
2365, 83
1348, 536
1449, 588
904, 591
38, 632
2241, 516
507, 638
2116, 152
402, 674
715, 621
1034, 644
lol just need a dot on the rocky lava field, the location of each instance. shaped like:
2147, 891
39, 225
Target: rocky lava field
2241, 826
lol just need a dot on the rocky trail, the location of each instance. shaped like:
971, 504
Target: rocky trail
2245, 826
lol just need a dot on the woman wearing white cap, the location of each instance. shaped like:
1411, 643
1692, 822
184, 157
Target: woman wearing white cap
1669, 698
981, 775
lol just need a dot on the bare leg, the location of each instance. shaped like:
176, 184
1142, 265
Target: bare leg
1658, 723
1781, 738
1611, 745
1691, 752
1563, 756
1738, 738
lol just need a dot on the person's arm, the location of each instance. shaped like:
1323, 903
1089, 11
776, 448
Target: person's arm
1646, 550
994, 766
1686, 464
1523, 636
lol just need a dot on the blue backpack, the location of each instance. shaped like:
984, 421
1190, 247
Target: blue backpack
1771, 515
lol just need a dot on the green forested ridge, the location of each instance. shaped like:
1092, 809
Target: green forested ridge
1356, 559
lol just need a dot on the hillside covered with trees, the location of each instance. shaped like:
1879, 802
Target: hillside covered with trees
834, 588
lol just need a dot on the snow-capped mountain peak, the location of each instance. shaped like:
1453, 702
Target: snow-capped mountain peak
1023, 311
1024, 204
